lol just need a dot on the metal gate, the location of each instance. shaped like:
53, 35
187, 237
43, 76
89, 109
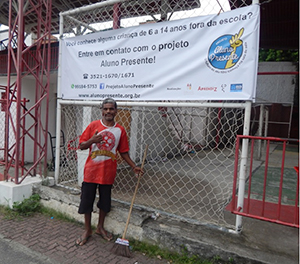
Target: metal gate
270, 189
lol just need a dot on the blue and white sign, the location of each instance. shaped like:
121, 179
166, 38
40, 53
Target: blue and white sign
213, 57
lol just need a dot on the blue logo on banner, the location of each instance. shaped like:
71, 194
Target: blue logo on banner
102, 86
238, 87
226, 51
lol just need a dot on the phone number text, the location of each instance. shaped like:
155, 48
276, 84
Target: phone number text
112, 75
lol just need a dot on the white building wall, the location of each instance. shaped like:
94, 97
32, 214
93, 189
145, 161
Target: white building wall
275, 88
28, 92
3, 82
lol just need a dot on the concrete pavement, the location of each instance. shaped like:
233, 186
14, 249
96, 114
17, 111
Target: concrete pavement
12, 252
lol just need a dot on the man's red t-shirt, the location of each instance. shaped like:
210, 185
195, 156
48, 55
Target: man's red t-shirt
101, 164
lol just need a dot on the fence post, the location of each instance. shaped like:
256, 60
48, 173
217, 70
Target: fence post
243, 167
57, 144
260, 129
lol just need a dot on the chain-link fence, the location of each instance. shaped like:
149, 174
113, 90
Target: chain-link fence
190, 162
104, 15
101, 17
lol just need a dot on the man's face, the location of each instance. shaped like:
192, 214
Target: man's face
109, 111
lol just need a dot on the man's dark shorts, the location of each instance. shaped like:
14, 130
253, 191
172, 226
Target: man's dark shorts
88, 194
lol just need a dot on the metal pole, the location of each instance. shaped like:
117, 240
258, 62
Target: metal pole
290, 120
57, 144
92, 7
19, 86
23, 137
162, 104
58, 109
260, 129
37, 138
116, 16
49, 7
7, 90
243, 167
266, 124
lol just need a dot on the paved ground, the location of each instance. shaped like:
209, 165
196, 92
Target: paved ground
40, 239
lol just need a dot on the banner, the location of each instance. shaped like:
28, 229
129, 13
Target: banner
212, 57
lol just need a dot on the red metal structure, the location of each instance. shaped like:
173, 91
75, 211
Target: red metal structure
30, 123
41, 17
261, 207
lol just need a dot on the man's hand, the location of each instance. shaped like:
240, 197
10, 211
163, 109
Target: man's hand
138, 171
96, 138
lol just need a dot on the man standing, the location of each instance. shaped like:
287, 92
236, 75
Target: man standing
103, 138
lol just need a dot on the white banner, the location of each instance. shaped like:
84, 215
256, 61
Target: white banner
213, 57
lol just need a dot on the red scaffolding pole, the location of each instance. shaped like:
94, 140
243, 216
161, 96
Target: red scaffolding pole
22, 123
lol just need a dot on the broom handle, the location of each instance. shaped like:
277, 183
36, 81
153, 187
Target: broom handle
135, 191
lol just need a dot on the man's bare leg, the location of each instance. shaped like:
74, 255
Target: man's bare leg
88, 230
100, 227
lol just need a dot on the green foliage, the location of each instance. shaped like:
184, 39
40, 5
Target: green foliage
184, 257
28, 206
25, 208
278, 55
172, 257
58, 215
8, 213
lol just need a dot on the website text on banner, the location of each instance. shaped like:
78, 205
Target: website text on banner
213, 57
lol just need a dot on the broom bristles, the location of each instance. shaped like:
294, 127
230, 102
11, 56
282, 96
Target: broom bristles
121, 248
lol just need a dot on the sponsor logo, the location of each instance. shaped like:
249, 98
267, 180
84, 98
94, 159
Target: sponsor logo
189, 86
174, 88
226, 51
209, 89
238, 87
223, 87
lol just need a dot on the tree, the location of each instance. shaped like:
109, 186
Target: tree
278, 55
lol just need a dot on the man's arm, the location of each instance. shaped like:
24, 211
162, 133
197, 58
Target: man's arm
136, 169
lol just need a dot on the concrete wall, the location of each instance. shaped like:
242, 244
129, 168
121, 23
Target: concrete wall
11, 193
254, 245
276, 88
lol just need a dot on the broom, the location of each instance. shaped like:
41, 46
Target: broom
121, 246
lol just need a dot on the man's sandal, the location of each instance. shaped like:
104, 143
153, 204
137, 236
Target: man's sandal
106, 236
82, 241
